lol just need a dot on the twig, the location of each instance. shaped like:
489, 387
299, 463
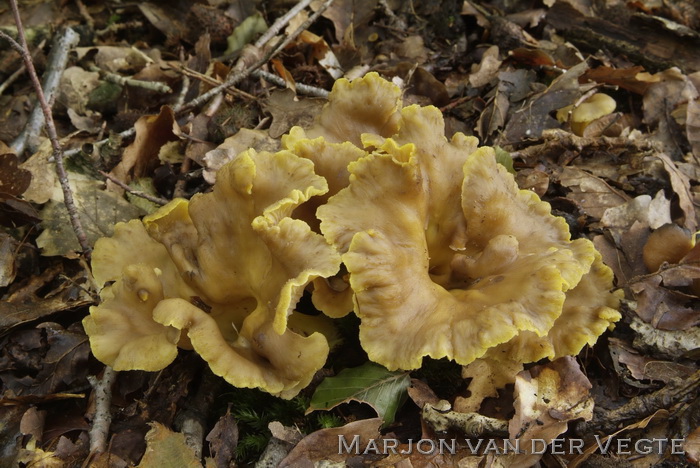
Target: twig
281, 22
192, 419
185, 83
230, 82
396, 22
179, 191
17, 73
58, 59
138, 193
301, 88
678, 390
85, 14
128, 133
11, 79
188, 72
103, 400
239, 76
51, 129
156, 86
116, 27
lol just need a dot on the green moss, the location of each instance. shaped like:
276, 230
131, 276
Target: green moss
104, 98
254, 410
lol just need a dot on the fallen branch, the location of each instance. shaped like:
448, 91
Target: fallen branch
103, 417
156, 86
281, 22
58, 59
300, 87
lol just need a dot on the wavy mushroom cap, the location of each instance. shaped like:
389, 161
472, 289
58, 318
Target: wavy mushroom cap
235, 265
446, 265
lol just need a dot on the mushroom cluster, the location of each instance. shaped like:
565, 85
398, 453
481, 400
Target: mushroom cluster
442, 256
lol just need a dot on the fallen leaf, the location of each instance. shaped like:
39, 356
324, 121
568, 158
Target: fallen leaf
288, 110
223, 439
167, 449
75, 87
664, 308
625, 78
43, 361
245, 32
547, 397
681, 186
692, 126
488, 376
420, 393
324, 444
645, 367
534, 116
348, 15
592, 193
369, 383
99, 211
653, 213
691, 446
487, 69
13, 179
141, 157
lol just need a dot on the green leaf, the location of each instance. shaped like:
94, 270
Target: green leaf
245, 32
504, 159
370, 383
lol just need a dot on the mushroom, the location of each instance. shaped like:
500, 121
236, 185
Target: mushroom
442, 254
448, 258
667, 244
595, 107
225, 270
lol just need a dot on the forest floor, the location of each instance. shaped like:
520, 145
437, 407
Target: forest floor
525, 77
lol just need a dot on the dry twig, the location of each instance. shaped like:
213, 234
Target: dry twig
58, 59
103, 417
240, 74
137, 193
22, 48
300, 87
156, 86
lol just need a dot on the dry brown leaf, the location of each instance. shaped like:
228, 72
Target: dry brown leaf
534, 116
223, 439
421, 393
547, 397
167, 449
645, 367
488, 376
289, 110
681, 186
141, 157
487, 69
324, 444
625, 78
593, 194
347, 16
664, 308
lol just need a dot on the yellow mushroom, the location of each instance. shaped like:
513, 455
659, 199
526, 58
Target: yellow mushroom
579, 117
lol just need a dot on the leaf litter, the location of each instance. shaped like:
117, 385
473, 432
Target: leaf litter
497, 71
